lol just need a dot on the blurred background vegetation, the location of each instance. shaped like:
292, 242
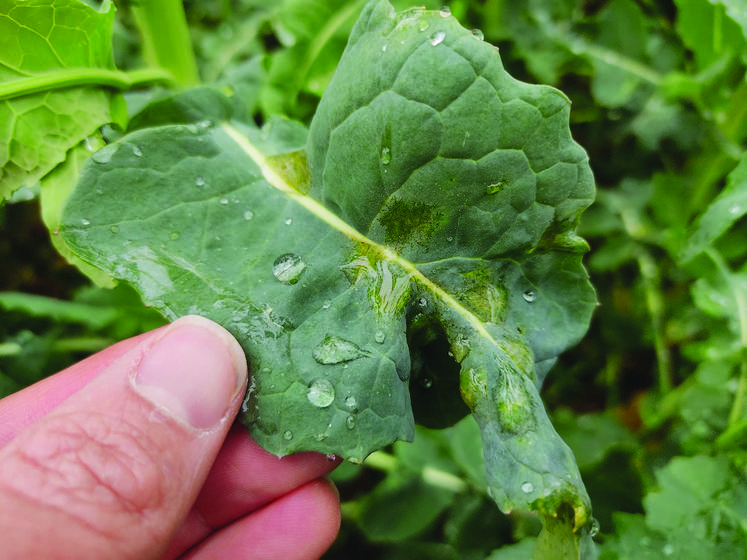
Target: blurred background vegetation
653, 401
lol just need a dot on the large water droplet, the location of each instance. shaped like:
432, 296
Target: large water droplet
350, 422
478, 34
527, 487
438, 37
288, 268
386, 155
380, 337
336, 350
529, 296
321, 393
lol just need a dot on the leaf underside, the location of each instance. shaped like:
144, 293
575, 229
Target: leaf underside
432, 205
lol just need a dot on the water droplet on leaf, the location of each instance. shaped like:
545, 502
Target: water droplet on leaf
438, 37
423, 25
668, 550
386, 155
445, 11
327, 304
321, 393
174, 235
331, 457
594, 530
200, 181
495, 187
137, 151
336, 350
105, 154
422, 302
527, 487
114, 229
248, 215
85, 222
288, 268
350, 422
478, 34
529, 296
383, 48
350, 402
380, 337
287, 435
426, 382
224, 201
289, 221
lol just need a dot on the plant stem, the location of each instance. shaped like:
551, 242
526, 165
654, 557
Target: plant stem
386, 462
166, 42
655, 306
76, 77
82, 344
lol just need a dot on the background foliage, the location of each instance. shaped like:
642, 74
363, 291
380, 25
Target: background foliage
653, 401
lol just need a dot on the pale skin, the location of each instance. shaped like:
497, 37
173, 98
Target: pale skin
128, 455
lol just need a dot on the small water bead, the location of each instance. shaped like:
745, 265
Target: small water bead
594, 530
380, 337
529, 296
423, 25
85, 222
445, 11
105, 154
137, 151
174, 235
287, 435
350, 402
350, 422
426, 382
336, 350
527, 487
668, 550
248, 215
736, 209
386, 155
383, 48
438, 37
422, 302
289, 221
288, 268
478, 34
327, 304
114, 229
450, 239
331, 457
224, 201
321, 393
200, 181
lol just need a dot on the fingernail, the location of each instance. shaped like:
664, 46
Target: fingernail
193, 372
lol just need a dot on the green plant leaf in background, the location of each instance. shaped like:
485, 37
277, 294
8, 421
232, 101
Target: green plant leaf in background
49, 44
441, 205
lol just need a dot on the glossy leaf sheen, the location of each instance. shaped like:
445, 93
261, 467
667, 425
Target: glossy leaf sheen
442, 204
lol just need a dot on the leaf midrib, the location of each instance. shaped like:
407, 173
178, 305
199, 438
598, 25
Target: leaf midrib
334, 221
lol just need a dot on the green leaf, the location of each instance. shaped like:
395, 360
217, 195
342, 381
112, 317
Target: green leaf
37, 38
707, 31
440, 202
58, 310
728, 207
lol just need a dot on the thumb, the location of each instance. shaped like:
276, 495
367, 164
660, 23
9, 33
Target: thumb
113, 471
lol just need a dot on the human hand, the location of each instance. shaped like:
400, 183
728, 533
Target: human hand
130, 454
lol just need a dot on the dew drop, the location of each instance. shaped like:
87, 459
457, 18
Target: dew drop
445, 11
114, 229
478, 34
224, 201
321, 393
174, 235
423, 25
327, 304
336, 350
200, 181
450, 239
438, 37
350, 402
85, 222
350, 422
288, 268
380, 337
594, 530
529, 296
426, 382
287, 435
527, 487
137, 151
289, 221
331, 457
248, 215
386, 155
422, 302
495, 187
736, 209
383, 48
